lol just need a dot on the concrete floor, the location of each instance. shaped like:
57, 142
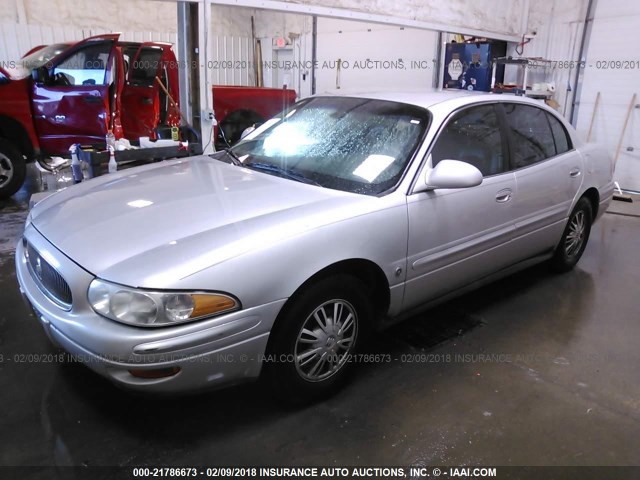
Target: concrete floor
559, 384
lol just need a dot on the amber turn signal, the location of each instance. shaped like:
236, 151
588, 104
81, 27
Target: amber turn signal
210, 304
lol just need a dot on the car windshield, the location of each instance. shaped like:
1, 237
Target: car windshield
351, 144
23, 67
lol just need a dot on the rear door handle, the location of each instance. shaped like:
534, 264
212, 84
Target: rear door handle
504, 195
575, 172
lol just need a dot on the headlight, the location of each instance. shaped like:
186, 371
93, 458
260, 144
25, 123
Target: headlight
155, 309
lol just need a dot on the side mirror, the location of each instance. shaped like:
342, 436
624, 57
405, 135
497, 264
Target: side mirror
451, 174
40, 75
247, 131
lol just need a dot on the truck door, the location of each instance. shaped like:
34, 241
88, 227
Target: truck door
145, 105
73, 102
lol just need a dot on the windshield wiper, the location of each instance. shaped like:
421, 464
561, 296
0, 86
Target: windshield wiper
283, 172
234, 158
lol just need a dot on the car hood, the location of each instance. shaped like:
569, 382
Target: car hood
129, 226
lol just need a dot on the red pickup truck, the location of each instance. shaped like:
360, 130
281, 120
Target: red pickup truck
237, 108
67, 93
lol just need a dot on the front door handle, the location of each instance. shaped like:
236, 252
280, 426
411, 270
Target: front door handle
575, 172
503, 195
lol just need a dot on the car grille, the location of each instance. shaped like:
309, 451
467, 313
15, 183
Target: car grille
48, 279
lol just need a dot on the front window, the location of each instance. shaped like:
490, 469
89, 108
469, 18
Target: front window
351, 144
473, 136
86, 66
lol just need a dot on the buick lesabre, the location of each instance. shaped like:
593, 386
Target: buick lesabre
274, 257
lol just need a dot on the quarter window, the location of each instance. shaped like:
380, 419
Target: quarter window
532, 140
472, 136
560, 136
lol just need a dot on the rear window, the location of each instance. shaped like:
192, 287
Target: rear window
144, 69
532, 139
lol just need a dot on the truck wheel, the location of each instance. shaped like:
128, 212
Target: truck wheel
235, 123
312, 344
13, 169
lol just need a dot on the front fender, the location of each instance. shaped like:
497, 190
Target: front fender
275, 272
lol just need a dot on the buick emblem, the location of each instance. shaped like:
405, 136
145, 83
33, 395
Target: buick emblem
39, 268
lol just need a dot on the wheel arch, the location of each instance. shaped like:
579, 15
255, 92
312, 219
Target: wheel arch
367, 271
237, 120
593, 196
14, 132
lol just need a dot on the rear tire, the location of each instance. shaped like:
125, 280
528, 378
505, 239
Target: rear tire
574, 238
13, 169
310, 348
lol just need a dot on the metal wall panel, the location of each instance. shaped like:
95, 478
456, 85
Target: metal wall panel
613, 69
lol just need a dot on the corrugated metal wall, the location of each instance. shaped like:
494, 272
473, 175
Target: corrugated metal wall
16, 40
232, 61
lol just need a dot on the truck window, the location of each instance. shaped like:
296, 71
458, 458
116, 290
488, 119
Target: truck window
86, 66
145, 67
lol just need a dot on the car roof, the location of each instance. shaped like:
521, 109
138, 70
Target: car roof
426, 98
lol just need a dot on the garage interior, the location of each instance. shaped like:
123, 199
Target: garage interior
537, 369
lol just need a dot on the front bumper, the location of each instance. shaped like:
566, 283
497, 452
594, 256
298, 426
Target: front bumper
211, 353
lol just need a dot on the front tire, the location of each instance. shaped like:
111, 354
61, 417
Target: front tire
574, 238
311, 346
13, 169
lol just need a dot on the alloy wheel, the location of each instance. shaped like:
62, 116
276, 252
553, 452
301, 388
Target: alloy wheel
326, 339
575, 235
6, 170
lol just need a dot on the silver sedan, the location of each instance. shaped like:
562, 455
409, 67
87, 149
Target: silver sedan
275, 257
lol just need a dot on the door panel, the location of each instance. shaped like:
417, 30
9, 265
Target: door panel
140, 97
74, 106
548, 175
67, 115
145, 105
457, 236
545, 194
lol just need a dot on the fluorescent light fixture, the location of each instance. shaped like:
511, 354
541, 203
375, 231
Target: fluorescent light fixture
139, 203
373, 166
